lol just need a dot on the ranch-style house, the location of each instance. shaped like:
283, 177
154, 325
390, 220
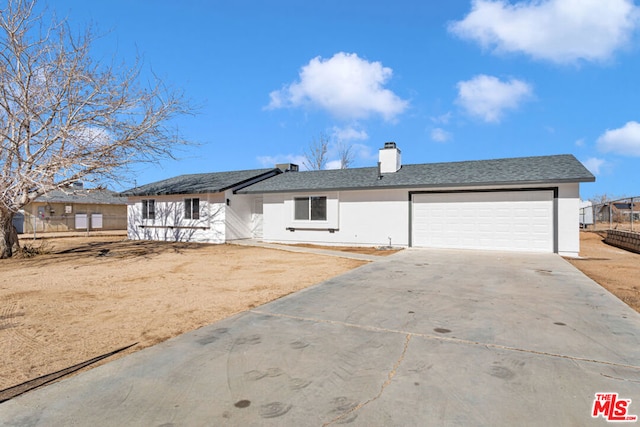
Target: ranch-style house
515, 204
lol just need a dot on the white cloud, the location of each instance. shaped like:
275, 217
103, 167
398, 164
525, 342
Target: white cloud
333, 164
488, 98
349, 134
625, 140
271, 161
345, 85
92, 136
360, 153
364, 153
561, 31
440, 135
580, 142
594, 164
442, 119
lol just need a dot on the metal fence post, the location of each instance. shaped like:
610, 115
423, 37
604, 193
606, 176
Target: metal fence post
610, 217
632, 214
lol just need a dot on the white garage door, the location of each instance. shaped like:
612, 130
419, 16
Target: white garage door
501, 220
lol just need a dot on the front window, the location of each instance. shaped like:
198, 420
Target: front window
310, 208
192, 208
149, 209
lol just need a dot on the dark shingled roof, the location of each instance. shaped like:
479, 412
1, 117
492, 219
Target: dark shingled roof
200, 183
519, 171
91, 196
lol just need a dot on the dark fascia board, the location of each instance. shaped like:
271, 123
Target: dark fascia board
242, 183
252, 180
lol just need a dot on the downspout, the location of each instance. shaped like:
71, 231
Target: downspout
409, 239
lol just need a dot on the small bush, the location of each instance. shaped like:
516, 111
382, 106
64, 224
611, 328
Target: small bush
29, 250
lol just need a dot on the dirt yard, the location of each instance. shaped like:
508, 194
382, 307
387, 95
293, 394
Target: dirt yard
91, 296
615, 269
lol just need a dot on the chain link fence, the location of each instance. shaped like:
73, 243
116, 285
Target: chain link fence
621, 214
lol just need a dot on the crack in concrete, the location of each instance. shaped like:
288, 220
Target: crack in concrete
390, 376
619, 379
448, 339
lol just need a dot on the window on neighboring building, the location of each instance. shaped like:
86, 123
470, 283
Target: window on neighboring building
310, 208
192, 208
149, 209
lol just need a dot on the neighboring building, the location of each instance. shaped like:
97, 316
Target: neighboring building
520, 204
586, 213
198, 207
74, 208
619, 211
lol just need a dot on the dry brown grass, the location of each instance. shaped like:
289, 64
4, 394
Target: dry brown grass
90, 296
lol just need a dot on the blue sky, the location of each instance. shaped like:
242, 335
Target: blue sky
446, 80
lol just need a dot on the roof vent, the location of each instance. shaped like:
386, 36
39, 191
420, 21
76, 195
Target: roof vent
287, 167
389, 145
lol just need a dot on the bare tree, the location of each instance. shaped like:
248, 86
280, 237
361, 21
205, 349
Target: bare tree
65, 117
345, 153
598, 199
315, 157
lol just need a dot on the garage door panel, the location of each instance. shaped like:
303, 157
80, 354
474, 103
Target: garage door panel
510, 220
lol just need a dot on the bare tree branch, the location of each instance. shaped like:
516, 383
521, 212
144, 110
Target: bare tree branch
65, 117
315, 156
345, 154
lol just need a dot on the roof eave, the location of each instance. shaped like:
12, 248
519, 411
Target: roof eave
413, 186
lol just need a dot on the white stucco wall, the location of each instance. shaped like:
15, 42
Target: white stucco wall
169, 223
568, 221
362, 218
240, 216
381, 217
358, 218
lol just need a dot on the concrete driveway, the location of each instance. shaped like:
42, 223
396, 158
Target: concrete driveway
422, 337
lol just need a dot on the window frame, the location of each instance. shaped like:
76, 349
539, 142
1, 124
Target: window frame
146, 212
311, 209
192, 208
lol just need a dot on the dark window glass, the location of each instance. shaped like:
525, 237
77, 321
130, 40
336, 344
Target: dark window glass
152, 209
195, 209
301, 208
148, 209
310, 208
192, 208
318, 208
